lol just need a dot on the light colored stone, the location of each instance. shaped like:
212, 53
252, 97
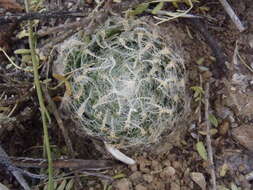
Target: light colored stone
143, 164
140, 187
155, 165
169, 171
167, 163
176, 164
174, 186
136, 177
133, 167
123, 184
148, 178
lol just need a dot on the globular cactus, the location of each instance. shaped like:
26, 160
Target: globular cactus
127, 82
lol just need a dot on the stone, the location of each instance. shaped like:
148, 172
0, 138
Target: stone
123, 184
140, 187
136, 177
174, 186
155, 165
168, 172
167, 163
148, 178
176, 164
133, 168
143, 164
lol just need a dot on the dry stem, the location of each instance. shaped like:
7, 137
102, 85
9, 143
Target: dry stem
208, 137
232, 15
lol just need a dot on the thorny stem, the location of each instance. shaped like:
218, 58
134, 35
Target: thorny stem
41, 101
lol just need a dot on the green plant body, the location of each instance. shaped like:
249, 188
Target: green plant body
44, 113
127, 82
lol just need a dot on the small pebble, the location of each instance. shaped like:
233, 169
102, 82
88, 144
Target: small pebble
148, 178
167, 163
176, 164
155, 165
140, 187
133, 167
143, 163
123, 184
167, 172
174, 186
136, 176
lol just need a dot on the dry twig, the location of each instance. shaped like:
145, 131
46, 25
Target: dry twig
13, 18
64, 27
91, 165
208, 137
64, 131
59, 122
17, 172
232, 15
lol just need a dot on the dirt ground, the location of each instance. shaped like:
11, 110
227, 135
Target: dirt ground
173, 164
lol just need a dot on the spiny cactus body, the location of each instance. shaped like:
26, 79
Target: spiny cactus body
127, 82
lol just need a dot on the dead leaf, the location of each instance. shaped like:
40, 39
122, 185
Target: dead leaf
223, 128
244, 135
199, 179
64, 79
223, 170
10, 6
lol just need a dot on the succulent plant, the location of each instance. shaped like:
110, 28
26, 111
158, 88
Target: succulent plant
127, 81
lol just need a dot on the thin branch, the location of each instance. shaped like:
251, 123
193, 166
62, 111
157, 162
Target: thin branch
91, 165
208, 137
64, 27
59, 122
12, 18
61, 126
6, 162
172, 14
232, 15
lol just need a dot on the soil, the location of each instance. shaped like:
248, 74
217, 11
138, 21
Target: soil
175, 163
